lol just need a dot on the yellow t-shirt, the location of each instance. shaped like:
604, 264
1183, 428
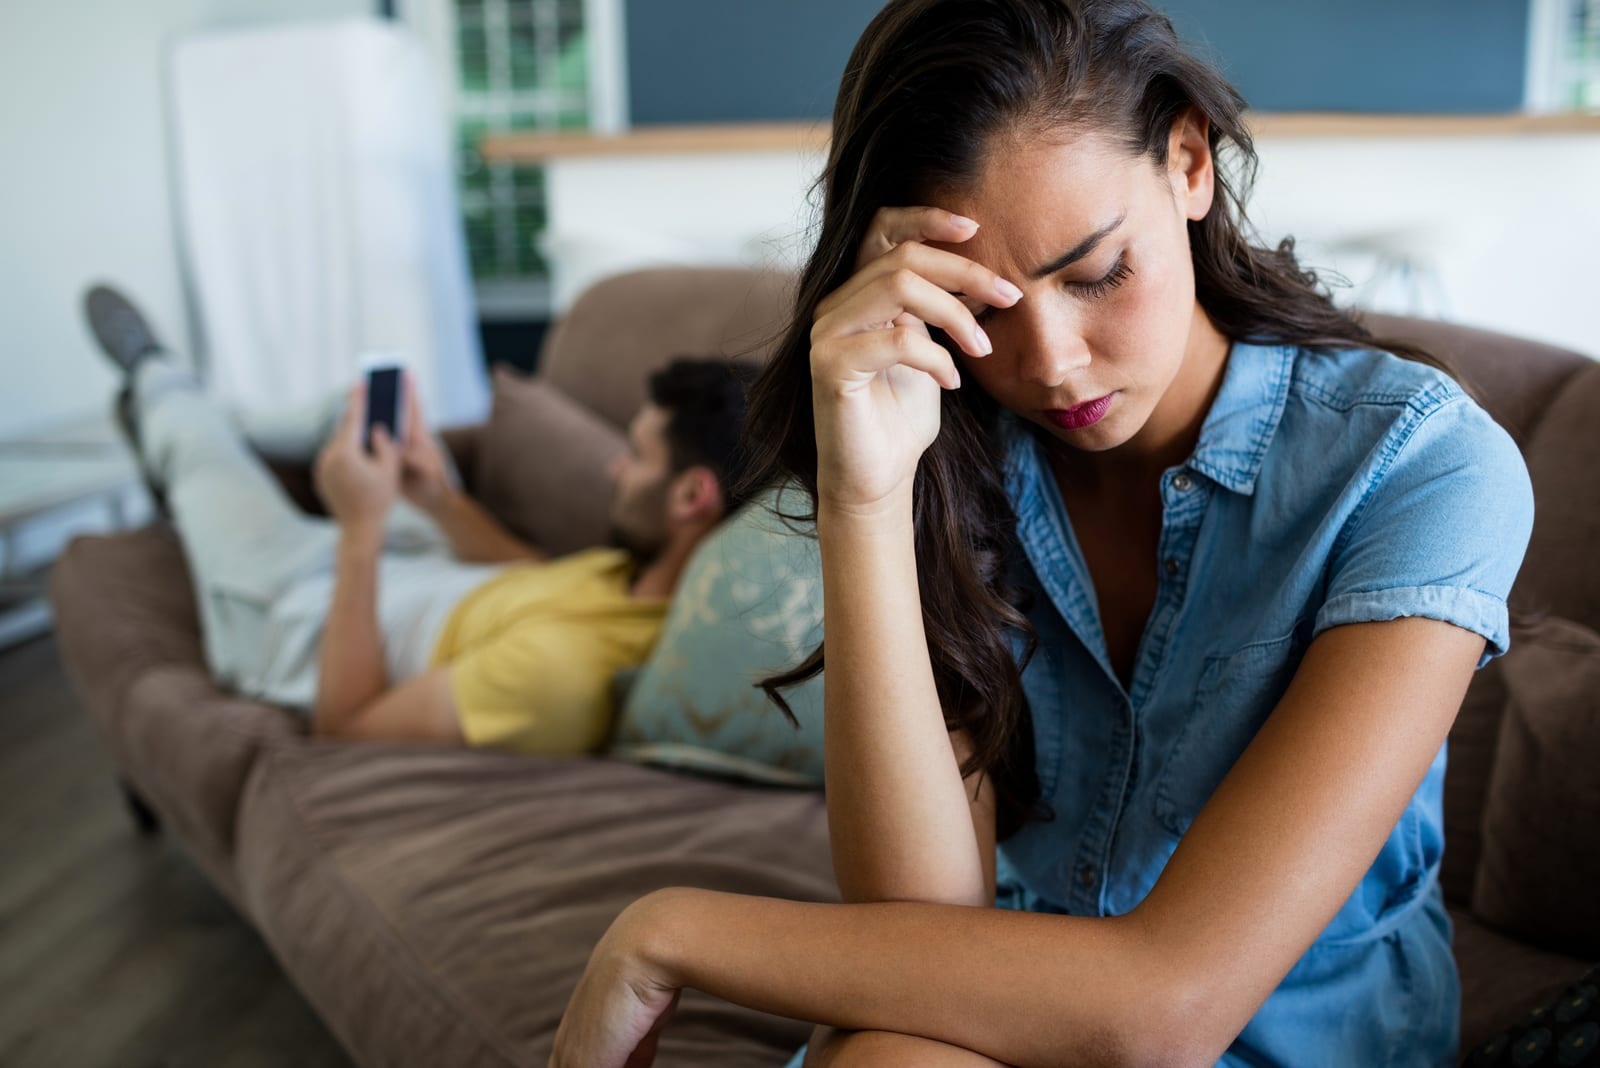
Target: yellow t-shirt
532, 652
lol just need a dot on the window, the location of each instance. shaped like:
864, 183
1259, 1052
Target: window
551, 65
1564, 55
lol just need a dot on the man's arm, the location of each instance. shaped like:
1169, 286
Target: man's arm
354, 699
350, 668
353, 695
476, 536
421, 709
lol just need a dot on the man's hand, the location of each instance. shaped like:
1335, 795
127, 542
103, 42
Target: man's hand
424, 477
358, 488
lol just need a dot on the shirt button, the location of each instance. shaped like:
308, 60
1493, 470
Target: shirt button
1085, 875
1170, 566
1182, 482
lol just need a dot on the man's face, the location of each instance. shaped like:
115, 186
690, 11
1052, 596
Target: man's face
643, 479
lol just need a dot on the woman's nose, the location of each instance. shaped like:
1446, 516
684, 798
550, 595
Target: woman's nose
1049, 351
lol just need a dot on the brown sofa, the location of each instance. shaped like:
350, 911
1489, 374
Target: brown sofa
437, 906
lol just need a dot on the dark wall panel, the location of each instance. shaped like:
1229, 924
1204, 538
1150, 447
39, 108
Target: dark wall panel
757, 60
1365, 55
739, 60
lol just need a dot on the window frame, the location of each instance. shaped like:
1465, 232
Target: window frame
513, 296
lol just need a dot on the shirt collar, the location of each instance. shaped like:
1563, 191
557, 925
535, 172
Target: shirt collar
1245, 415
1237, 430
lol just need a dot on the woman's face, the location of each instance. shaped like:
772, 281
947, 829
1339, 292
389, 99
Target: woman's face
1108, 346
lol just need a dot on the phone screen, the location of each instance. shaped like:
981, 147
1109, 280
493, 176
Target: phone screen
383, 403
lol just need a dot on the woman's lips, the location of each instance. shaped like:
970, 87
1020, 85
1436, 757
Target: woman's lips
1086, 414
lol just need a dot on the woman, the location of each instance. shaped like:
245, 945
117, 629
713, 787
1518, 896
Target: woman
1035, 351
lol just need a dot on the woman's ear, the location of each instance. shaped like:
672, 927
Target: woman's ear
1189, 163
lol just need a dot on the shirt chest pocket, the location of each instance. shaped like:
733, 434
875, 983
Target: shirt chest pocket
1233, 698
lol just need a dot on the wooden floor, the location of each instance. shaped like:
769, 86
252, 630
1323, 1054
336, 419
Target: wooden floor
114, 950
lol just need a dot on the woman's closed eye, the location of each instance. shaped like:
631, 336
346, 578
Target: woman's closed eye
1120, 272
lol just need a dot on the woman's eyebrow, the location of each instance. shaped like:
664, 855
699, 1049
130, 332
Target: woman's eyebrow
1080, 250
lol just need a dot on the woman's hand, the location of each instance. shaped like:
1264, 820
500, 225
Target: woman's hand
876, 372
356, 486
424, 476
622, 1003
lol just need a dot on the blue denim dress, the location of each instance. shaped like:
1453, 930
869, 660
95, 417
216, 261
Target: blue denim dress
1326, 488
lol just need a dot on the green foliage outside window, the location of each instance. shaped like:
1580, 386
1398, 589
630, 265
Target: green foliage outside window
523, 66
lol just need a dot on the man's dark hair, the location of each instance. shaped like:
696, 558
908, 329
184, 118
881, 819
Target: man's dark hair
705, 401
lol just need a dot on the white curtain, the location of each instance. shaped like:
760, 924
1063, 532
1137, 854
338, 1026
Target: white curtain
319, 215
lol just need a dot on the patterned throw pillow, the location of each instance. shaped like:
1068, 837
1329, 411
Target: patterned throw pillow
749, 604
1564, 1032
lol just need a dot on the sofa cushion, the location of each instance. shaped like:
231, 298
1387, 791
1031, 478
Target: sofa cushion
1540, 869
603, 348
1473, 738
1558, 576
542, 463
749, 604
1563, 1031
1502, 979
438, 906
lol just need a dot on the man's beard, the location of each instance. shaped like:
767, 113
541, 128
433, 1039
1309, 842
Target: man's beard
642, 546
639, 524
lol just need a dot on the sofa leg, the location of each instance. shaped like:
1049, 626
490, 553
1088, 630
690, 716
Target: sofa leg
144, 817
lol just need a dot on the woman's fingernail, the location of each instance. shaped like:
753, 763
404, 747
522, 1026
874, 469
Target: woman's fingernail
984, 345
962, 220
1006, 289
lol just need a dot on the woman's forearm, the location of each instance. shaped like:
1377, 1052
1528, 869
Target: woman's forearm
350, 667
898, 816
1023, 988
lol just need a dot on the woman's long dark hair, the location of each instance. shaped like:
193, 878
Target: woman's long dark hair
928, 89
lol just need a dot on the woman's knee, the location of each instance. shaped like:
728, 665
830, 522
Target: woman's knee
887, 1049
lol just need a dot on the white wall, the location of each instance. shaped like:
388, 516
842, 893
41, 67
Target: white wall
84, 190
1508, 227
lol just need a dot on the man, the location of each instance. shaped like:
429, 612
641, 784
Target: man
472, 637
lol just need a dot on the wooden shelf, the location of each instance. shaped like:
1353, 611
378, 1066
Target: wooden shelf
813, 136
656, 140
1347, 124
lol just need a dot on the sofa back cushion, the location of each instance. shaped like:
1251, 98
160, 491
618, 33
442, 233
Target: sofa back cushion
1513, 378
1540, 870
604, 347
541, 465
1560, 576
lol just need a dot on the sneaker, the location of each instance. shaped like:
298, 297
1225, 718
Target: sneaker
123, 334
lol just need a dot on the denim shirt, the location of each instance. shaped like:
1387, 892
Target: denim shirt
1325, 489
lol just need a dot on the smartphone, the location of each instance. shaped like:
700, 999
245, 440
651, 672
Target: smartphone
385, 404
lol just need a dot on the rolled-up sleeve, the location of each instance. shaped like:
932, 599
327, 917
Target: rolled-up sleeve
1440, 532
